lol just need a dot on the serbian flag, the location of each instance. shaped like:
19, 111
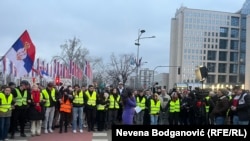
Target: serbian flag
22, 54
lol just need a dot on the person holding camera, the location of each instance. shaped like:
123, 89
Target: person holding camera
65, 109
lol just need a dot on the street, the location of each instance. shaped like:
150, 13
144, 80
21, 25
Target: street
69, 136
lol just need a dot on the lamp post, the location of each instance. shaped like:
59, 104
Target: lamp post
137, 43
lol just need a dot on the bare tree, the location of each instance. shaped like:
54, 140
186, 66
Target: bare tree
72, 50
120, 68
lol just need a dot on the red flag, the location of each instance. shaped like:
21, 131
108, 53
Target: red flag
88, 70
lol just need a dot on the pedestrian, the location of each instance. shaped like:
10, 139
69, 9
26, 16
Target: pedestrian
78, 103
50, 95
19, 113
90, 98
36, 110
6, 106
65, 110
129, 104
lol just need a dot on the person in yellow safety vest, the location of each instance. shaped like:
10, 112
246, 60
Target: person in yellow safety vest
90, 97
174, 107
51, 96
19, 113
154, 109
6, 106
141, 104
65, 109
78, 103
209, 104
114, 105
102, 106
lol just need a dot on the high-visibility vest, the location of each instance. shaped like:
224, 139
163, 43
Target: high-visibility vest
6, 103
113, 104
91, 99
142, 103
78, 98
21, 100
155, 107
207, 106
174, 106
66, 106
101, 107
46, 96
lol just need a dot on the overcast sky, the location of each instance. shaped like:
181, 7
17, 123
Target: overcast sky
103, 26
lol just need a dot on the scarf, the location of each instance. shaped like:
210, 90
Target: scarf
36, 100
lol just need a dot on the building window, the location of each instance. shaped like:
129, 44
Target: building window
223, 44
211, 79
222, 68
211, 67
233, 68
233, 56
234, 44
234, 33
222, 56
223, 32
221, 79
232, 79
211, 55
235, 21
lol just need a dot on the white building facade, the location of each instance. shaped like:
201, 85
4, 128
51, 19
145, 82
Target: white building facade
217, 40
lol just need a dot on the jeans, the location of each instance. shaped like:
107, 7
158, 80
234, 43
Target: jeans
49, 117
4, 127
154, 119
77, 113
236, 121
219, 120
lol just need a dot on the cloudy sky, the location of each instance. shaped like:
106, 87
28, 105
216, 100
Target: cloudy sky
103, 26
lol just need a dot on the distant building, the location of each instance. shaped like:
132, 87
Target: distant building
217, 40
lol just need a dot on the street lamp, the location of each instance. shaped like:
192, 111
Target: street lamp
137, 43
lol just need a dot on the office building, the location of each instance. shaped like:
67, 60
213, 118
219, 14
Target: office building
214, 39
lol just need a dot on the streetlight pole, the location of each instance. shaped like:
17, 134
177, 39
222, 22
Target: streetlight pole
137, 43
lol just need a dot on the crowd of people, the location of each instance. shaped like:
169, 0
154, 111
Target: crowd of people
46, 108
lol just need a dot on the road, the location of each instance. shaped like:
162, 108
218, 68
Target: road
70, 136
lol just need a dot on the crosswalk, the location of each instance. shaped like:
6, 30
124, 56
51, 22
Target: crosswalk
101, 136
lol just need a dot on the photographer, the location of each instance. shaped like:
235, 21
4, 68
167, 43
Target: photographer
65, 109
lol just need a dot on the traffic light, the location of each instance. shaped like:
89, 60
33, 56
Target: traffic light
57, 80
179, 70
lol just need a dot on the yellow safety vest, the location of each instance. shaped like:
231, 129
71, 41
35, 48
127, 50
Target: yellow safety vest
174, 106
142, 103
91, 99
6, 103
78, 98
207, 106
101, 107
21, 100
155, 107
46, 96
113, 104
